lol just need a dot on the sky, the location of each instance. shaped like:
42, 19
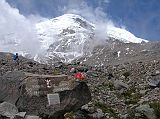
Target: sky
19, 17
140, 17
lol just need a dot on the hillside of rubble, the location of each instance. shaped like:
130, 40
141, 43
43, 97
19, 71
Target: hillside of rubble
122, 91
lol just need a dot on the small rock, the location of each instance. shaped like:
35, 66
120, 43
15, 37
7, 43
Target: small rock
20, 115
82, 69
91, 109
147, 111
137, 114
154, 82
97, 115
92, 73
73, 70
85, 107
100, 113
157, 72
119, 84
142, 91
31, 117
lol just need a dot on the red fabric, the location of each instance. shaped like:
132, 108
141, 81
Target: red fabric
79, 76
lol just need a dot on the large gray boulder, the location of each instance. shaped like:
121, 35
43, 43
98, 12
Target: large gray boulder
10, 84
8, 110
69, 100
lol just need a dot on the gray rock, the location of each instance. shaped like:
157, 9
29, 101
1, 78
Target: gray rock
119, 84
88, 108
73, 70
92, 73
146, 110
20, 115
142, 92
69, 100
157, 72
100, 114
91, 110
155, 81
31, 117
85, 107
8, 110
58, 64
10, 84
82, 68
97, 115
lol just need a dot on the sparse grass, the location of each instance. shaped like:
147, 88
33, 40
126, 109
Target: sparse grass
131, 115
156, 106
131, 96
109, 85
107, 109
56, 72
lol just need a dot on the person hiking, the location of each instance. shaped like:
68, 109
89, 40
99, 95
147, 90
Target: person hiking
16, 58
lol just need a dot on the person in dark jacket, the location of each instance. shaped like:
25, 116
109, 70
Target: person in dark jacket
16, 58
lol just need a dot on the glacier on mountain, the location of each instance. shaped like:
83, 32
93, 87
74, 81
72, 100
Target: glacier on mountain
65, 38
71, 36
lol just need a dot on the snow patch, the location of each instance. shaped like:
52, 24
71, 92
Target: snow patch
123, 35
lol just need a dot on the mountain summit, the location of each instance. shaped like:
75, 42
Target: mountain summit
71, 36
66, 37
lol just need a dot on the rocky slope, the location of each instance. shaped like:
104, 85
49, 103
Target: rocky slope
127, 90
115, 52
20, 93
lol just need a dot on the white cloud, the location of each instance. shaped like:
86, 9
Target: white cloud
17, 32
94, 15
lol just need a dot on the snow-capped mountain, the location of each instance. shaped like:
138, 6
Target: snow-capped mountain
66, 37
71, 36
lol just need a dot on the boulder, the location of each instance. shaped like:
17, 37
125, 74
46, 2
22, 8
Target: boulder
8, 110
154, 81
10, 84
147, 111
55, 104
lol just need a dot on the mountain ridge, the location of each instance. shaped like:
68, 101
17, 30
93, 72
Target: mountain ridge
69, 37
